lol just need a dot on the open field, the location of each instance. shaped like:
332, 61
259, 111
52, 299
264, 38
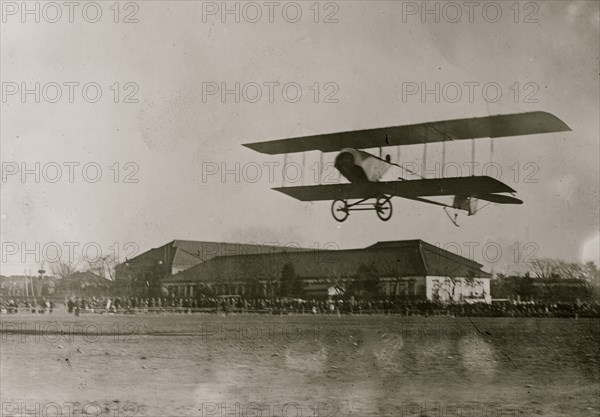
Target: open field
253, 365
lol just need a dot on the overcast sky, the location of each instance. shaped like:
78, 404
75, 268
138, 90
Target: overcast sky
541, 55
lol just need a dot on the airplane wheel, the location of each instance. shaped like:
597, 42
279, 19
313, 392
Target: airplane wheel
339, 210
383, 208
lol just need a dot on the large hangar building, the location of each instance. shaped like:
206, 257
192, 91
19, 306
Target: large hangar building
411, 269
144, 273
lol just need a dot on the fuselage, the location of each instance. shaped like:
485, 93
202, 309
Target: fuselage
360, 166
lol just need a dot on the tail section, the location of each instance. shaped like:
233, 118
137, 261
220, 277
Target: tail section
468, 204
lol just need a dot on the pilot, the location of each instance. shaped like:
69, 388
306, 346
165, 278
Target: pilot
388, 159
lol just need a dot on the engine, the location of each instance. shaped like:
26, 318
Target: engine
346, 163
360, 166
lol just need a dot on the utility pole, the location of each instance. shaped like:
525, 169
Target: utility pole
41, 271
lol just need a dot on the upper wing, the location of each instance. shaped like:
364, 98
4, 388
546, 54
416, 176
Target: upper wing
465, 186
478, 127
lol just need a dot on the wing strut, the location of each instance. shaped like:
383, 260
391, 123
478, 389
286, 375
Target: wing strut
416, 174
453, 220
444, 137
487, 106
321, 168
443, 159
473, 157
424, 153
303, 166
284, 169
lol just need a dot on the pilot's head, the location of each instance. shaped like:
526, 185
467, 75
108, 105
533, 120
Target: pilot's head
388, 158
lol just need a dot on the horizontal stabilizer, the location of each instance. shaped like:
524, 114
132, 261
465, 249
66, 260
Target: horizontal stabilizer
500, 199
516, 124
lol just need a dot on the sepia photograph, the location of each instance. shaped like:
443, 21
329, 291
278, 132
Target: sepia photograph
310, 208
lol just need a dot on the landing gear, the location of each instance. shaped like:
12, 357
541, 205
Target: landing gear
340, 209
383, 208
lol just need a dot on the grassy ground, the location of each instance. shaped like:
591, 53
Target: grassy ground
203, 365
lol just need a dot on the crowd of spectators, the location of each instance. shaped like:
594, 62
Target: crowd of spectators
236, 304
33, 305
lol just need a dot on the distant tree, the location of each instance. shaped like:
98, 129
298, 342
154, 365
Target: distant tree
394, 269
569, 270
64, 270
592, 274
551, 271
366, 281
472, 282
291, 284
253, 289
556, 281
229, 273
339, 275
84, 283
544, 268
506, 286
103, 266
526, 290
449, 284
266, 269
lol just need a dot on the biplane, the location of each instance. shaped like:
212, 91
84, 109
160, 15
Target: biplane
364, 171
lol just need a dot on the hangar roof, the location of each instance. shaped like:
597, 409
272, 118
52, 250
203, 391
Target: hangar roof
183, 254
393, 259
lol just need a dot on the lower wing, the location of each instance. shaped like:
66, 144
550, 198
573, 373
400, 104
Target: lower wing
483, 187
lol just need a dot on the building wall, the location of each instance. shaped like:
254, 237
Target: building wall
217, 287
462, 289
418, 287
413, 286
